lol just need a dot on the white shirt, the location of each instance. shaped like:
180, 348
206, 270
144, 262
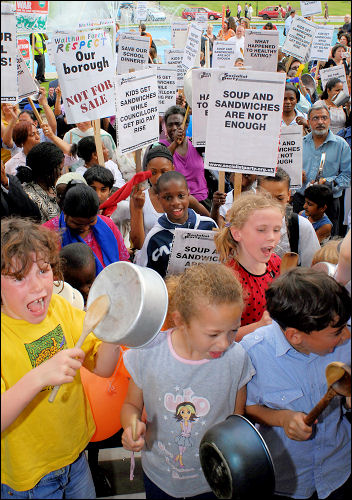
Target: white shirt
110, 165
19, 160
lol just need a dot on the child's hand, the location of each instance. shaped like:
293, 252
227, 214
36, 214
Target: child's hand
61, 368
138, 197
127, 441
294, 426
219, 199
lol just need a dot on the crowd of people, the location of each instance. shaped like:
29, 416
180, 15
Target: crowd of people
262, 335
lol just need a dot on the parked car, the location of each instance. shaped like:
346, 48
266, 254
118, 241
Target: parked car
190, 13
154, 14
272, 12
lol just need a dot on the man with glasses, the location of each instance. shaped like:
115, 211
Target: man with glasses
336, 168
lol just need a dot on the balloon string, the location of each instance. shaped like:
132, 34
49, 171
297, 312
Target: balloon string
133, 463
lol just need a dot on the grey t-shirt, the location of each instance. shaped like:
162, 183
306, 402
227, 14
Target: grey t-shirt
170, 457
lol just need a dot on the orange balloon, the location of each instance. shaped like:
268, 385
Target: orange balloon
106, 397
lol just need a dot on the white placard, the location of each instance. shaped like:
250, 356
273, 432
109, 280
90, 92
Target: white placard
9, 90
192, 47
290, 153
334, 72
167, 86
141, 11
245, 110
321, 44
310, 8
133, 53
224, 53
137, 110
175, 56
201, 18
31, 17
179, 32
200, 102
299, 38
26, 85
191, 246
85, 67
260, 49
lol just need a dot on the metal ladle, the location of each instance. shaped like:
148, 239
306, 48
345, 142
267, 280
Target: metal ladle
338, 377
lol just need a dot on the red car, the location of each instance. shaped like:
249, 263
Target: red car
272, 12
190, 13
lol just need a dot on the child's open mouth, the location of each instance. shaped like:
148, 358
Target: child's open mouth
216, 354
267, 251
178, 212
37, 306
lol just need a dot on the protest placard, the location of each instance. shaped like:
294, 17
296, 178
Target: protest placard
260, 49
224, 53
244, 121
321, 44
31, 17
179, 31
85, 68
310, 8
108, 25
191, 247
9, 89
200, 101
290, 153
141, 11
175, 56
192, 47
26, 84
137, 110
299, 38
133, 53
201, 18
334, 72
24, 48
167, 85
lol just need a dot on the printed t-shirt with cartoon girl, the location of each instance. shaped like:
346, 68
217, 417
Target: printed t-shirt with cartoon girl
183, 398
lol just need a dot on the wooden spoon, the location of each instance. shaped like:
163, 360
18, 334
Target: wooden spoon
95, 313
134, 427
338, 377
288, 261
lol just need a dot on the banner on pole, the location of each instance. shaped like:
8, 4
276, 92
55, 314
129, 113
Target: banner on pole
200, 101
310, 8
224, 54
9, 89
167, 86
299, 39
321, 44
133, 53
260, 49
31, 17
26, 84
334, 72
290, 153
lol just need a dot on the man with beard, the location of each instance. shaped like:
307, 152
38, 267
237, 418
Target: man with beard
336, 171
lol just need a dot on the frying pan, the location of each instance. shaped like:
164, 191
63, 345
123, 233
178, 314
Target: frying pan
138, 304
236, 461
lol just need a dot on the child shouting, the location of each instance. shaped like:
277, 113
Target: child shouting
39, 331
309, 311
189, 378
246, 244
173, 195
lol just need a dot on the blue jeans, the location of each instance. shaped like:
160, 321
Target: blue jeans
72, 481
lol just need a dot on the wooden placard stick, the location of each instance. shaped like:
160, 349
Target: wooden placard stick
98, 142
35, 111
316, 76
207, 54
33, 43
237, 186
221, 181
288, 64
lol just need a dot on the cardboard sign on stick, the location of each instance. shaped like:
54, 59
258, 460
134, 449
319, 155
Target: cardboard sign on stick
201, 18
310, 8
260, 49
179, 31
200, 100
26, 84
192, 46
299, 38
290, 153
245, 108
141, 11
133, 53
191, 246
167, 86
31, 17
175, 56
224, 53
321, 44
9, 89
334, 72
137, 110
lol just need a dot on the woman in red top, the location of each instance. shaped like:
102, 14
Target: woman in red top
246, 244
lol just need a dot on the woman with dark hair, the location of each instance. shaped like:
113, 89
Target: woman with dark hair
338, 114
25, 135
226, 32
344, 38
45, 162
290, 115
338, 57
79, 222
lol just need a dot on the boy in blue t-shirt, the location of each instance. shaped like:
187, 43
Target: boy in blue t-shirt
318, 198
309, 312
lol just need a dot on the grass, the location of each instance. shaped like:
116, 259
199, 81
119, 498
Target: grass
335, 8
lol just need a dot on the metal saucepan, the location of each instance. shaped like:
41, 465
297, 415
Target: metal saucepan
236, 461
138, 304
